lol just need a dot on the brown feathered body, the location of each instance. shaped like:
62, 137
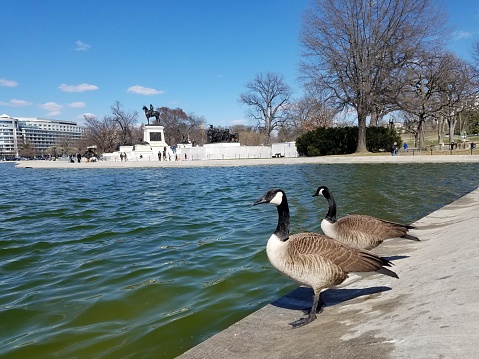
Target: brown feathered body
318, 261
313, 259
358, 230
363, 231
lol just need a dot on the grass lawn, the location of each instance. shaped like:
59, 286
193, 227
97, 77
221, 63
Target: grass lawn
431, 139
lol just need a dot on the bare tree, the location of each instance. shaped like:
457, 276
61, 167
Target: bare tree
358, 49
307, 114
438, 85
181, 127
126, 122
421, 92
102, 133
268, 97
459, 92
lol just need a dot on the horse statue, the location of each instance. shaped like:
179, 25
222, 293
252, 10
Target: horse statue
151, 113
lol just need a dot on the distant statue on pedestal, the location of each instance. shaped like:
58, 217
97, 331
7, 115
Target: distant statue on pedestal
151, 113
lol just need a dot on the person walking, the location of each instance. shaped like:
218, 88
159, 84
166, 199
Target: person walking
394, 149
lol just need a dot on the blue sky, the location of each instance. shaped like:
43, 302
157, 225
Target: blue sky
60, 59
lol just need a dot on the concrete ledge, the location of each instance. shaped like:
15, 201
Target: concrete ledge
376, 158
431, 311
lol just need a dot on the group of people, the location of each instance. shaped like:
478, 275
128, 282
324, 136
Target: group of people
164, 155
394, 148
89, 155
123, 156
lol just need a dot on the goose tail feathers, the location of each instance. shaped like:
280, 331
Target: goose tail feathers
387, 272
412, 238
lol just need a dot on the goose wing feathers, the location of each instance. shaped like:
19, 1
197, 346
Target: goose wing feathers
316, 247
374, 227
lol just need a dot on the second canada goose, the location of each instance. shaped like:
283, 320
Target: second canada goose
312, 259
359, 230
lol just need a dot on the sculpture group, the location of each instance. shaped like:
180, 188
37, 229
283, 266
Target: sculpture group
215, 135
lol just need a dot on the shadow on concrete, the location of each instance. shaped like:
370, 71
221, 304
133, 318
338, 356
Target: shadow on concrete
301, 298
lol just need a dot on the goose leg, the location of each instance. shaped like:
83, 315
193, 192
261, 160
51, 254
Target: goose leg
317, 307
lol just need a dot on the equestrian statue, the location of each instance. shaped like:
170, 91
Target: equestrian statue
151, 113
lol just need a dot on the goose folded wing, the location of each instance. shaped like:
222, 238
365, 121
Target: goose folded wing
372, 227
348, 258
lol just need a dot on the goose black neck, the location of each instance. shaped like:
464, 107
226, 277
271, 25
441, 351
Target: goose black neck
331, 215
282, 229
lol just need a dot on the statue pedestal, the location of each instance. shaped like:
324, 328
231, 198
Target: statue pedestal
154, 135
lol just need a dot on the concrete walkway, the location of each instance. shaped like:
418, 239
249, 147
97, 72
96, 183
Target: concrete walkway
431, 311
444, 157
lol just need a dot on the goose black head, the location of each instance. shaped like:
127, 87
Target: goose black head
273, 196
322, 190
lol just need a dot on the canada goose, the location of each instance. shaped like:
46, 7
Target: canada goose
312, 259
358, 230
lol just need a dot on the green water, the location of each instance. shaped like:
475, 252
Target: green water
146, 263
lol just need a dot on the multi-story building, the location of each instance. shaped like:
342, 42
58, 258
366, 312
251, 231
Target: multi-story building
37, 134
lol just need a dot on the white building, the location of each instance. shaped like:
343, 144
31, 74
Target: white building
38, 133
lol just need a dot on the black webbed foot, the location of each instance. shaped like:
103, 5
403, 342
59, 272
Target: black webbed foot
319, 309
316, 308
303, 321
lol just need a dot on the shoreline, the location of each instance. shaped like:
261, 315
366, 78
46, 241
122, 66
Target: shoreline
338, 159
429, 312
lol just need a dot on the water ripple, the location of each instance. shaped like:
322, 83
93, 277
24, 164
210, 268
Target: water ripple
113, 263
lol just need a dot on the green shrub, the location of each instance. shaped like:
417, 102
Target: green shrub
343, 140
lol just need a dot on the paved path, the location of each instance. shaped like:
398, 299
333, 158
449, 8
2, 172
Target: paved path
374, 158
431, 311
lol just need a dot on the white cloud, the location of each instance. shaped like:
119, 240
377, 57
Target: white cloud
140, 90
53, 108
77, 104
8, 83
81, 46
458, 35
78, 88
86, 114
240, 122
15, 103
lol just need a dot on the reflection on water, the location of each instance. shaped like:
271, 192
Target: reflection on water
149, 262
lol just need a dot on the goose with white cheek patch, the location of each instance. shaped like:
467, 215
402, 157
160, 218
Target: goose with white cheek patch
358, 230
312, 259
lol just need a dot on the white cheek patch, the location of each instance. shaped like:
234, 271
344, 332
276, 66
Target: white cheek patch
277, 199
321, 191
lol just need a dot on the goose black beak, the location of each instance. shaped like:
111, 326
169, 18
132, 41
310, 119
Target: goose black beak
260, 201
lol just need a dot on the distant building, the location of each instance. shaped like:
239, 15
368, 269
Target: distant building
38, 133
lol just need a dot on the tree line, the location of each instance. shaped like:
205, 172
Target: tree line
367, 60
374, 58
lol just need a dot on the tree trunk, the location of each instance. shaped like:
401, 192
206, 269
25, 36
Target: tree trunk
462, 125
452, 125
440, 131
421, 133
361, 133
374, 117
